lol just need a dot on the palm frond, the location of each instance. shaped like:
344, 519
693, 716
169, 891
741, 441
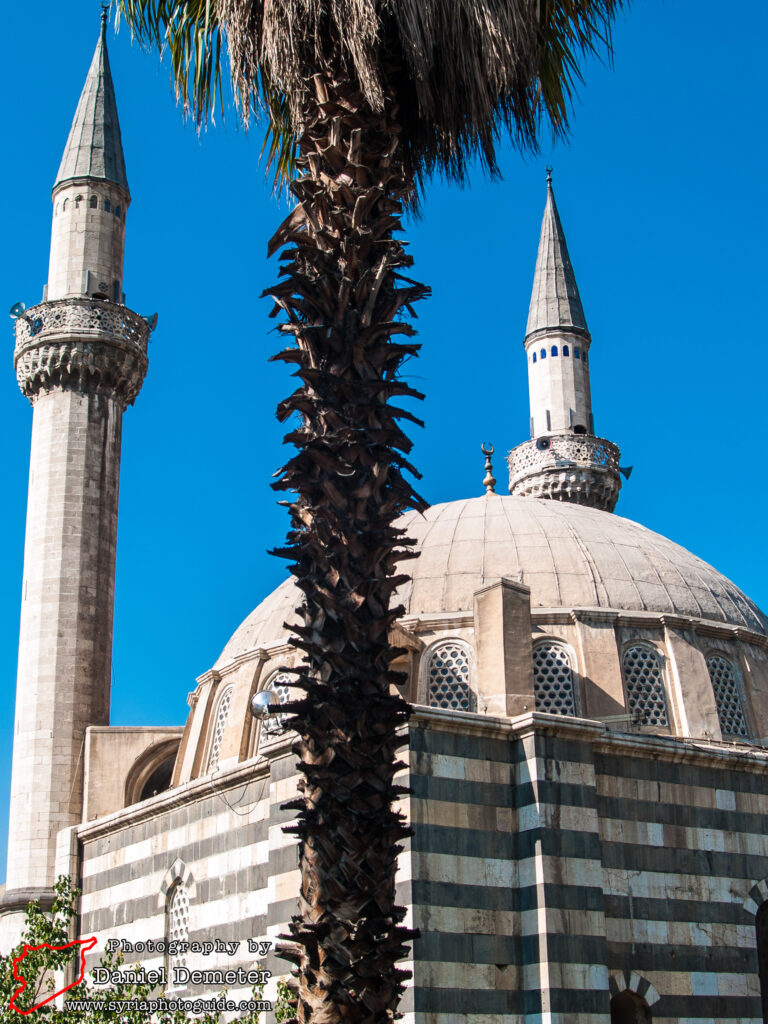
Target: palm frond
464, 72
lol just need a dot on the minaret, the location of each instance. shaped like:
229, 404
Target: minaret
80, 359
564, 460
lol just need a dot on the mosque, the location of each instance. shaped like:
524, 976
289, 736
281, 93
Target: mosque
588, 752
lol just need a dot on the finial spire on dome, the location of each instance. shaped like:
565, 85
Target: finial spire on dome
490, 480
94, 148
555, 300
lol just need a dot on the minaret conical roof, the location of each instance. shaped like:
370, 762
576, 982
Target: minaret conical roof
555, 301
94, 148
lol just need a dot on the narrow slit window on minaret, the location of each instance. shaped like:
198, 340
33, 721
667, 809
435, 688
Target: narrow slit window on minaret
117, 212
543, 353
554, 350
534, 357
107, 205
94, 202
78, 200
566, 350
576, 354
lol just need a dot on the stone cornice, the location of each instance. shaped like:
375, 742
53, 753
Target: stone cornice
80, 344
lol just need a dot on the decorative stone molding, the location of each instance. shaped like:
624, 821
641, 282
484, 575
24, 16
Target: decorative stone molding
177, 872
623, 981
578, 468
87, 345
757, 895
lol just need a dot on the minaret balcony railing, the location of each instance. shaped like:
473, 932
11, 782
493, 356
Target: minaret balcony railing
60, 318
558, 451
579, 468
81, 344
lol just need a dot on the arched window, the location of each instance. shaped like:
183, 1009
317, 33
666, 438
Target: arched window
534, 357
78, 200
176, 929
644, 684
730, 706
629, 1008
553, 679
448, 677
566, 350
761, 926
278, 684
554, 350
93, 202
577, 353
543, 353
107, 205
64, 205
219, 724
117, 212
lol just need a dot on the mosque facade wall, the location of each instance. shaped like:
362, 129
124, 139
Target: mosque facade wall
552, 863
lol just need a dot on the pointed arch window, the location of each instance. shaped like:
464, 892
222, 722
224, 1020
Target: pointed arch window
176, 929
449, 677
644, 684
219, 725
553, 688
566, 350
728, 696
278, 684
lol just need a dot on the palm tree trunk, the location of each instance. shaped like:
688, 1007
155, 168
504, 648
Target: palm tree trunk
343, 294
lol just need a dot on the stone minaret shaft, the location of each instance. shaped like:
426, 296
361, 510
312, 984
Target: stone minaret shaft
564, 460
80, 358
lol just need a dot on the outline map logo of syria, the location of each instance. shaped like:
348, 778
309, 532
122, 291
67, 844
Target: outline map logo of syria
86, 945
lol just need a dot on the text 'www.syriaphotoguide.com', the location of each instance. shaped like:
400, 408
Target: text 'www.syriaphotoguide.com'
118, 1006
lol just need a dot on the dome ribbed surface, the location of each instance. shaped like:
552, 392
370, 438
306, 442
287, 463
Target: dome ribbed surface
569, 555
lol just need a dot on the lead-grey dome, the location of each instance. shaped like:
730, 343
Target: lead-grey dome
569, 555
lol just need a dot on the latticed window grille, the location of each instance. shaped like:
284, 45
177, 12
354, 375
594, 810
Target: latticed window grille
644, 683
553, 679
222, 713
278, 684
177, 926
448, 675
730, 709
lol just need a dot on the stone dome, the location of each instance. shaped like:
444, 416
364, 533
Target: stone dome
569, 555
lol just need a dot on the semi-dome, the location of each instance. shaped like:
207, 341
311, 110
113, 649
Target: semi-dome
570, 556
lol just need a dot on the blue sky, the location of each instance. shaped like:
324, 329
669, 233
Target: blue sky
660, 195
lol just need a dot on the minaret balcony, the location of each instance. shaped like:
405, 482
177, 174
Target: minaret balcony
578, 468
81, 344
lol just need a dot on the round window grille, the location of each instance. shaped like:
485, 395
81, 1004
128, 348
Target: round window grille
553, 680
730, 709
177, 926
222, 713
448, 675
645, 687
278, 684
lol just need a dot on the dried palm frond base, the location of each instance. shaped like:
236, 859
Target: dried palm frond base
343, 296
